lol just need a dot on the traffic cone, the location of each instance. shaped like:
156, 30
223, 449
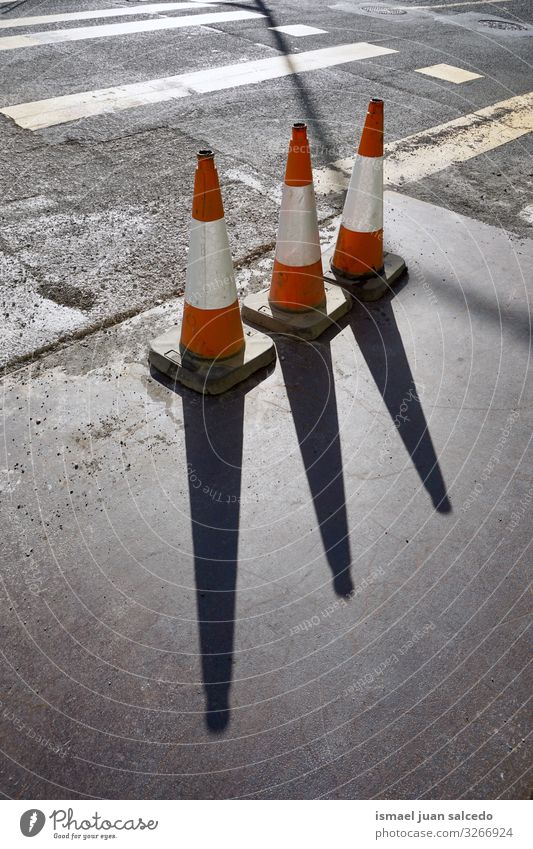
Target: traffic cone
297, 302
359, 262
211, 353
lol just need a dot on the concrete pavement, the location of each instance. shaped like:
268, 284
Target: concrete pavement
315, 585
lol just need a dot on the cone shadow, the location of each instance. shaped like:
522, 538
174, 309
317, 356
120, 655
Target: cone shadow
213, 444
378, 337
310, 385
214, 427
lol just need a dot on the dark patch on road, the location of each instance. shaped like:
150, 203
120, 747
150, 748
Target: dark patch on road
494, 23
498, 27
68, 295
383, 10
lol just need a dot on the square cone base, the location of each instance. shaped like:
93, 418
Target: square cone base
366, 288
210, 377
256, 309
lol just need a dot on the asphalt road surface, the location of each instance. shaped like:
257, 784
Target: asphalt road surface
286, 592
95, 210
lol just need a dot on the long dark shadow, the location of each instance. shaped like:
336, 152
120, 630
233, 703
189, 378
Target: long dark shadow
376, 332
310, 386
213, 443
309, 113
10, 7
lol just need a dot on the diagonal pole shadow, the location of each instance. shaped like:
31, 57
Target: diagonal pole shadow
213, 444
376, 332
10, 7
299, 84
302, 91
310, 385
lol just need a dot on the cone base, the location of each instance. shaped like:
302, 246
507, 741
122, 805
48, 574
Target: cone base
210, 377
257, 310
366, 288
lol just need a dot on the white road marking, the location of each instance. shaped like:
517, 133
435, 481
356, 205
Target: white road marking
70, 107
13, 42
526, 214
299, 30
449, 73
248, 178
433, 150
65, 17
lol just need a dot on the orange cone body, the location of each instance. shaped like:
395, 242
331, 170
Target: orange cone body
359, 248
297, 282
212, 326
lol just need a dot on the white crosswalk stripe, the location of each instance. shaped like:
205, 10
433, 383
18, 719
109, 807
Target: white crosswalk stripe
71, 17
449, 73
14, 42
70, 107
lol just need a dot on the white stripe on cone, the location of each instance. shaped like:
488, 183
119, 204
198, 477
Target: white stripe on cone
363, 207
210, 281
298, 242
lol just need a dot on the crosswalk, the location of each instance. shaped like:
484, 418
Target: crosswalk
71, 17
148, 17
70, 107
13, 42
151, 18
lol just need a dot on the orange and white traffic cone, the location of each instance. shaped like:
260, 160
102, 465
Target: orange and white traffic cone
297, 301
359, 249
358, 257
212, 352
211, 326
297, 281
